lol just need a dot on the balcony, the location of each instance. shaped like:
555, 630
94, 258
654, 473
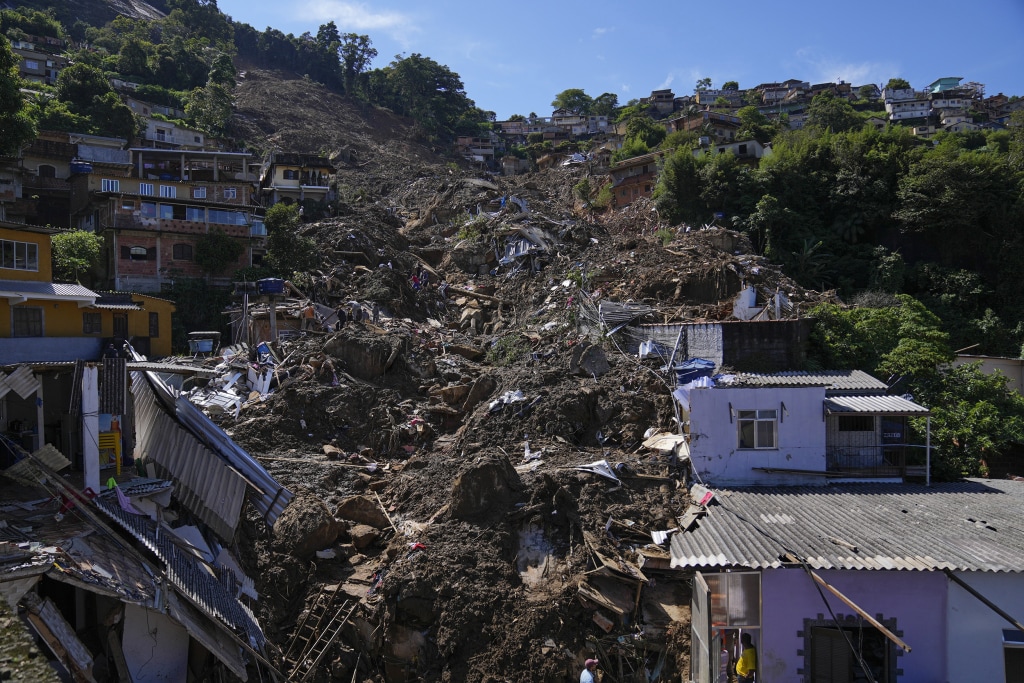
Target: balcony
33, 182
897, 460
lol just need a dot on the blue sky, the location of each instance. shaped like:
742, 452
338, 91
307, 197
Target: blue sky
514, 57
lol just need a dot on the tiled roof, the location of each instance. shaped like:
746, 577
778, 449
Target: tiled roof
972, 525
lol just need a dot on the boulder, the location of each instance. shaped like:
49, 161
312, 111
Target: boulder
362, 510
306, 526
363, 536
485, 491
588, 360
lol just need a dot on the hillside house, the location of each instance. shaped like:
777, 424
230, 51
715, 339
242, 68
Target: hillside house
799, 428
914, 583
662, 101
294, 178
634, 178
39, 62
722, 127
746, 150
153, 218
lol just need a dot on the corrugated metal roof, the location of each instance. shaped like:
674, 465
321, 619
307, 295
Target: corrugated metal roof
117, 307
9, 287
21, 381
113, 385
173, 368
185, 571
976, 525
833, 380
888, 405
204, 483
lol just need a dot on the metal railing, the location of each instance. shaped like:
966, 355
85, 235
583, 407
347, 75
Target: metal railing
896, 460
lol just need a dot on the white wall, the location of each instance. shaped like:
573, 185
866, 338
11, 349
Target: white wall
801, 435
975, 632
155, 648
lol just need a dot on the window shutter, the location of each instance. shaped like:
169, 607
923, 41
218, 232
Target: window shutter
126, 252
151, 254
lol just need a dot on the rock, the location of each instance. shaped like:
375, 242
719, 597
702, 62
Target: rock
363, 536
588, 360
362, 510
481, 389
455, 394
365, 356
306, 526
485, 491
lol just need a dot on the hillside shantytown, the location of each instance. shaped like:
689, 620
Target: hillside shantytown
305, 376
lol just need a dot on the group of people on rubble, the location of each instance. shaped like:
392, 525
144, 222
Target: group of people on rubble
745, 666
352, 311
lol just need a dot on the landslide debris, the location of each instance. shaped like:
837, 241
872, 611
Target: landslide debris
438, 450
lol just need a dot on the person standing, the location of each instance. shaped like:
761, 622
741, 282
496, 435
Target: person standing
308, 316
375, 311
746, 665
342, 318
588, 675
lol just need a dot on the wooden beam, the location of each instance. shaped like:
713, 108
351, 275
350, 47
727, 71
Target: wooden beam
852, 605
988, 603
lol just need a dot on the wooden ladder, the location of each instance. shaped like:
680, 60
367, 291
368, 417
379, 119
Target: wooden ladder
315, 649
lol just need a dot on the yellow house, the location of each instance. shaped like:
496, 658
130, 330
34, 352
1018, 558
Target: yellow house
41, 320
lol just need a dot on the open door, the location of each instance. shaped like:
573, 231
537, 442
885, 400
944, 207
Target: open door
700, 626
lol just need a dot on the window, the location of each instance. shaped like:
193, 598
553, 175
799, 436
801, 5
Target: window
134, 253
199, 193
19, 255
742, 149
154, 325
92, 323
172, 212
26, 321
121, 325
289, 174
1013, 655
757, 429
147, 209
47, 171
856, 423
182, 252
108, 185
31, 65
146, 189
230, 193
168, 191
194, 213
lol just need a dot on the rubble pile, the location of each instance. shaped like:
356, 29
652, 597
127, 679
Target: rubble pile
475, 493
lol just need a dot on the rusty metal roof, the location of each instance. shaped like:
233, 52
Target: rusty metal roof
973, 525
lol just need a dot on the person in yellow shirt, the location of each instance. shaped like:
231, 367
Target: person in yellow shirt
746, 665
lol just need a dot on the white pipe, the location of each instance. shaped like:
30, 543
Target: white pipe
928, 452
91, 427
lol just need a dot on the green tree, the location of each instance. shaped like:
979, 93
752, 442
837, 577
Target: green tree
897, 84
357, 52
605, 104
209, 108
731, 85
866, 92
755, 126
287, 250
16, 127
828, 112
574, 100
974, 416
429, 92
222, 71
74, 255
702, 85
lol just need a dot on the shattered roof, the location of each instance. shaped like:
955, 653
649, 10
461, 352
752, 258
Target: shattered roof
187, 572
971, 525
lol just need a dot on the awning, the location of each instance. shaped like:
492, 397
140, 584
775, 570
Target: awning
873, 405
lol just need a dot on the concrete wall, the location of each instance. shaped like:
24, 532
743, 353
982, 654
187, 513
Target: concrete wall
40, 349
155, 648
975, 632
1012, 368
60, 319
916, 600
713, 435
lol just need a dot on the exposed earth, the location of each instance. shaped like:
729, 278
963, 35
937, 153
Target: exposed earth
439, 513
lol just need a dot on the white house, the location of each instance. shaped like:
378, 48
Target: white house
798, 428
916, 584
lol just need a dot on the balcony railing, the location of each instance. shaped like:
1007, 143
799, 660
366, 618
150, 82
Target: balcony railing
897, 460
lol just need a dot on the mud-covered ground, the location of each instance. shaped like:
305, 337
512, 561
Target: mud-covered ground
434, 455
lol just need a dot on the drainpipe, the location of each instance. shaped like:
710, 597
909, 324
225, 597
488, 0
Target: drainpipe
91, 427
928, 452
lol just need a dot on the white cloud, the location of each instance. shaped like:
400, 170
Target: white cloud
667, 82
625, 87
354, 16
600, 32
826, 68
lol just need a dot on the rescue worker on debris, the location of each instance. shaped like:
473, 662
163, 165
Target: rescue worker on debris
589, 673
308, 316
